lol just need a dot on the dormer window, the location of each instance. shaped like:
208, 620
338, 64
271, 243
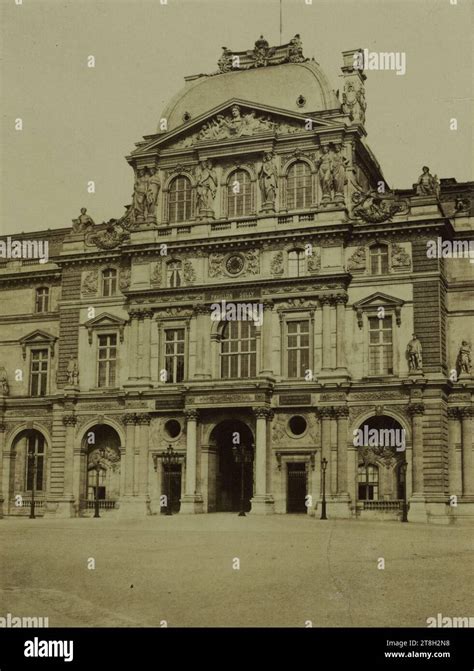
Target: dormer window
173, 272
379, 260
109, 282
42, 299
296, 263
179, 200
239, 194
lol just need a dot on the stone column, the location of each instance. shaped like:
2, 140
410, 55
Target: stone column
133, 345
3, 493
129, 465
203, 334
146, 351
326, 302
326, 414
267, 340
417, 410
454, 471
262, 501
69, 422
340, 331
342, 413
143, 421
467, 461
191, 501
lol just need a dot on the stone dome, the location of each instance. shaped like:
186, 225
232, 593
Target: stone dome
295, 87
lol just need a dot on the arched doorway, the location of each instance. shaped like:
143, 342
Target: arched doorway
381, 443
228, 478
102, 468
28, 476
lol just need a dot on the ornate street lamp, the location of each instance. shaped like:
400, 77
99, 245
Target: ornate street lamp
242, 455
34, 459
170, 458
403, 470
324, 465
96, 459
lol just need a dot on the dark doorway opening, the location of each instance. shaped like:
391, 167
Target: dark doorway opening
229, 471
171, 487
297, 488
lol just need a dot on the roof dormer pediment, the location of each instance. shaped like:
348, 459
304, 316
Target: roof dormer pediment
105, 322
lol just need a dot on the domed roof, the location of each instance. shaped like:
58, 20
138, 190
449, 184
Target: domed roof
294, 86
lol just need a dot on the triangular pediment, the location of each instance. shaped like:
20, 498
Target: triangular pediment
38, 337
104, 320
378, 299
233, 120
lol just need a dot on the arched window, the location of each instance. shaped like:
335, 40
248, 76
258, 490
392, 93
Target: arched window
173, 273
298, 186
109, 282
368, 481
179, 199
379, 260
34, 475
296, 263
239, 194
42, 299
238, 350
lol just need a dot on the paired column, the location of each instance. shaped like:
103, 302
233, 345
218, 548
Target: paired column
466, 446
342, 414
202, 334
3, 492
326, 415
192, 500
69, 422
133, 345
417, 410
145, 323
454, 471
340, 331
139, 345
267, 340
129, 421
143, 423
326, 302
262, 501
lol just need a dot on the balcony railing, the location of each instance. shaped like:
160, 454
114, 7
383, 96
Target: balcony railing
382, 505
25, 502
104, 504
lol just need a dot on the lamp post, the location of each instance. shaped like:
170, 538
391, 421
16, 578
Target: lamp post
33, 457
324, 465
100, 455
242, 455
403, 468
170, 458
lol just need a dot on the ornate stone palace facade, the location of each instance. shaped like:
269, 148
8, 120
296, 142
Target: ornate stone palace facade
262, 289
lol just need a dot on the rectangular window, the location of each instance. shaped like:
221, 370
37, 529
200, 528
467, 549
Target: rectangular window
39, 372
107, 360
298, 348
35, 462
380, 346
174, 355
42, 300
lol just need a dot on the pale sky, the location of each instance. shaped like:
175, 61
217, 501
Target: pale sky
79, 122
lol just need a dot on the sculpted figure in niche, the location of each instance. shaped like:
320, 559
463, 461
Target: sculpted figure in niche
268, 180
82, 223
464, 361
153, 189
427, 185
4, 388
414, 354
325, 168
206, 187
139, 195
72, 372
340, 163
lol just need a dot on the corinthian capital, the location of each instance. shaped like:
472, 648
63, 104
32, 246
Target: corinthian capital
263, 413
69, 420
191, 415
416, 409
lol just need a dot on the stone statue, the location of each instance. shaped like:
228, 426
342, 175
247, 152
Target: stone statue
353, 102
72, 371
414, 354
139, 195
268, 181
4, 388
428, 184
464, 361
206, 178
82, 223
325, 168
153, 189
340, 163
295, 50
225, 61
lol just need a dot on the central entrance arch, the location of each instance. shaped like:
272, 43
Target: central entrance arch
228, 471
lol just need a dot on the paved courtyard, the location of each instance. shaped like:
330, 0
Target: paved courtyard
293, 569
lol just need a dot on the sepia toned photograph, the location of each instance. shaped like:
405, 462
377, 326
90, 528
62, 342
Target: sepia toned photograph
236, 317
